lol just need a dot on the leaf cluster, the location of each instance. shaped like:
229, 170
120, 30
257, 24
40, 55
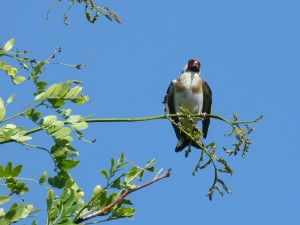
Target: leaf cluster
8, 69
9, 180
49, 111
241, 131
92, 11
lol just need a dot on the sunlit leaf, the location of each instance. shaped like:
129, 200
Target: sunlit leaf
67, 164
2, 65
56, 125
2, 109
19, 79
8, 45
49, 198
10, 99
73, 92
47, 120
104, 173
80, 126
4, 199
23, 139
43, 177
65, 131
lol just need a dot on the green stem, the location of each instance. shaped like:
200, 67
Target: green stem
18, 114
138, 119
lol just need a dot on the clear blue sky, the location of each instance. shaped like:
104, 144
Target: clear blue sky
250, 54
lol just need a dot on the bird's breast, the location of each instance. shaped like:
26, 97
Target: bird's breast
188, 93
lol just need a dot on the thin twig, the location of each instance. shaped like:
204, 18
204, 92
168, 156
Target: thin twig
106, 209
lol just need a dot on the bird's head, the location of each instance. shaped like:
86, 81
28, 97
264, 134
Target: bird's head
194, 65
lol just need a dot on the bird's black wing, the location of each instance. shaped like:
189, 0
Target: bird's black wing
207, 102
169, 100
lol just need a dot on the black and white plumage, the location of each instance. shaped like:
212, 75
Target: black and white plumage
192, 93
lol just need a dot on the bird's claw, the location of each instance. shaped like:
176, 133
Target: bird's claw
202, 115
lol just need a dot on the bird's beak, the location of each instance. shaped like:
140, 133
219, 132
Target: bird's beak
196, 64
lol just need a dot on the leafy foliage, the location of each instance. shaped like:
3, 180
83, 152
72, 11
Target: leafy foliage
69, 208
8, 175
208, 156
46, 111
92, 11
8, 69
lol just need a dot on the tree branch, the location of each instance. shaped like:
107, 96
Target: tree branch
138, 119
106, 209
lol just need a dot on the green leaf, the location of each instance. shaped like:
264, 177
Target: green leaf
55, 126
47, 120
1, 171
22, 212
8, 169
112, 165
131, 174
56, 102
19, 79
59, 181
25, 66
104, 173
74, 118
2, 109
16, 171
36, 116
80, 126
96, 191
23, 139
57, 89
43, 177
65, 112
120, 160
11, 71
2, 65
11, 212
63, 132
41, 86
65, 195
4, 199
67, 164
123, 212
49, 198
46, 94
61, 89
8, 45
73, 92
50, 90
80, 100
116, 183
151, 169
10, 99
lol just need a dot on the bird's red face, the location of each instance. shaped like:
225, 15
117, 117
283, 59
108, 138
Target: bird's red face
194, 65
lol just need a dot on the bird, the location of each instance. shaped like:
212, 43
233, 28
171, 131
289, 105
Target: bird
189, 92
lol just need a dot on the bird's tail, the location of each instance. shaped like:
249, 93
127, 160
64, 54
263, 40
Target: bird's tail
184, 142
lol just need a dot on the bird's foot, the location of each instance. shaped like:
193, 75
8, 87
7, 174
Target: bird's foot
202, 115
